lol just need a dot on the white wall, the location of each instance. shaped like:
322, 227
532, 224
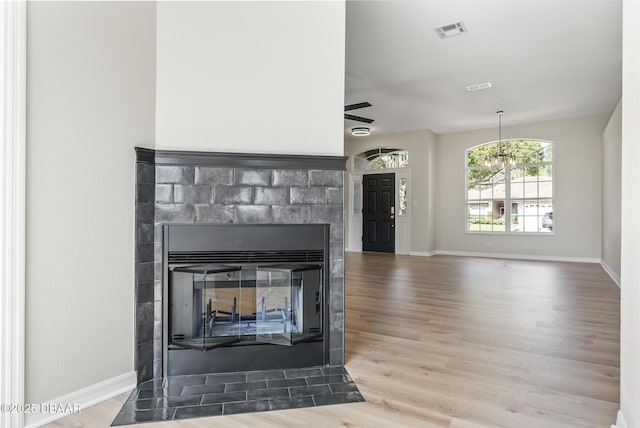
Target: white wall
630, 273
611, 190
421, 146
90, 89
251, 76
577, 190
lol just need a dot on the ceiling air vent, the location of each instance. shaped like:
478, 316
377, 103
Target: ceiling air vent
479, 86
451, 30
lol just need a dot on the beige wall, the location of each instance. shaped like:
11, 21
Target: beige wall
630, 267
421, 146
90, 100
577, 191
251, 76
611, 192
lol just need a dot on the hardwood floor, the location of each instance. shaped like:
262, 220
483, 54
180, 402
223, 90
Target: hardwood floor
461, 343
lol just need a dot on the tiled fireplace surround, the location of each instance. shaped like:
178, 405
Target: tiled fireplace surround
224, 188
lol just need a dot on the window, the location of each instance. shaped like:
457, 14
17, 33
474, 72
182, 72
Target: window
382, 158
514, 198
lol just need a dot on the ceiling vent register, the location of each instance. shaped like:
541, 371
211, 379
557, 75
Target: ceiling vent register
451, 30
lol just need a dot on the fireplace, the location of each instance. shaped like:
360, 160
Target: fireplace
184, 200
244, 297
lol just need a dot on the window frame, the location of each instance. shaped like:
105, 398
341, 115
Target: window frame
508, 201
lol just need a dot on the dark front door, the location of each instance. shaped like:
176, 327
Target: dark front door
378, 213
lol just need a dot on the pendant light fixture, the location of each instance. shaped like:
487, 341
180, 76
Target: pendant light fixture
503, 156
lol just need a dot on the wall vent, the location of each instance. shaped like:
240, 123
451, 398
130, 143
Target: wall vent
451, 30
479, 86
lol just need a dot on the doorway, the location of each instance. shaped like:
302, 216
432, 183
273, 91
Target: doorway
378, 213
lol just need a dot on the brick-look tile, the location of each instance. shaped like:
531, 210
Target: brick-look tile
326, 178
164, 193
248, 214
221, 214
174, 213
308, 196
326, 214
290, 178
298, 214
175, 174
270, 196
232, 195
335, 196
255, 177
214, 175
202, 194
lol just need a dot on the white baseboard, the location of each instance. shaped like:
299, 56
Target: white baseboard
422, 253
615, 277
84, 398
518, 256
620, 423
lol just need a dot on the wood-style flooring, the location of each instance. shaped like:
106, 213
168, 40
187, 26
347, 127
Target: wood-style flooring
461, 342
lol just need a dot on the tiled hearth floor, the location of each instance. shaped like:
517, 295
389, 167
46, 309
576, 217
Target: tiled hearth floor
195, 396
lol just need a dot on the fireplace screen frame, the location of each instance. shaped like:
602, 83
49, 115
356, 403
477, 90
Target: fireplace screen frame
252, 247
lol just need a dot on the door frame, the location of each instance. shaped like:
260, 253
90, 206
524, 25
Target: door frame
402, 229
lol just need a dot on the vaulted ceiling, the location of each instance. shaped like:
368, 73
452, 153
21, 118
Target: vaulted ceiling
545, 59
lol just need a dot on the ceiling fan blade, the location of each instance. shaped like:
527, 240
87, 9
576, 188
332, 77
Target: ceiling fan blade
357, 118
356, 106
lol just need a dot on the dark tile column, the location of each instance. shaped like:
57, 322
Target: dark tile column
144, 263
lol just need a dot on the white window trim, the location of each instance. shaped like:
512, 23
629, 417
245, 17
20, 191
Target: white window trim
12, 215
507, 231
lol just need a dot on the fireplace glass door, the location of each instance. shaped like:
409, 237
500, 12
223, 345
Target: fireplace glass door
288, 303
206, 305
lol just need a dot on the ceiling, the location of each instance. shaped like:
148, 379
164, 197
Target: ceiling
546, 59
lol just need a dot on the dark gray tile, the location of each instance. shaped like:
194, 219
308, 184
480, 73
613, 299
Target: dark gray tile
255, 177
174, 213
265, 375
201, 194
336, 356
152, 393
343, 387
151, 384
186, 380
334, 370
164, 193
135, 417
192, 400
144, 292
290, 178
145, 212
145, 192
232, 194
319, 380
314, 371
145, 173
144, 232
326, 178
246, 214
227, 378
340, 398
298, 214
214, 175
133, 405
245, 386
326, 214
335, 196
285, 383
308, 196
224, 397
309, 390
144, 252
202, 389
214, 213
198, 411
271, 196
144, 332
144, 313
259, 394
175, 174
245, 407
291, 403
144, 371
144, 272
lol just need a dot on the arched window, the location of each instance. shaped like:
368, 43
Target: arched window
381, 158
510, 187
